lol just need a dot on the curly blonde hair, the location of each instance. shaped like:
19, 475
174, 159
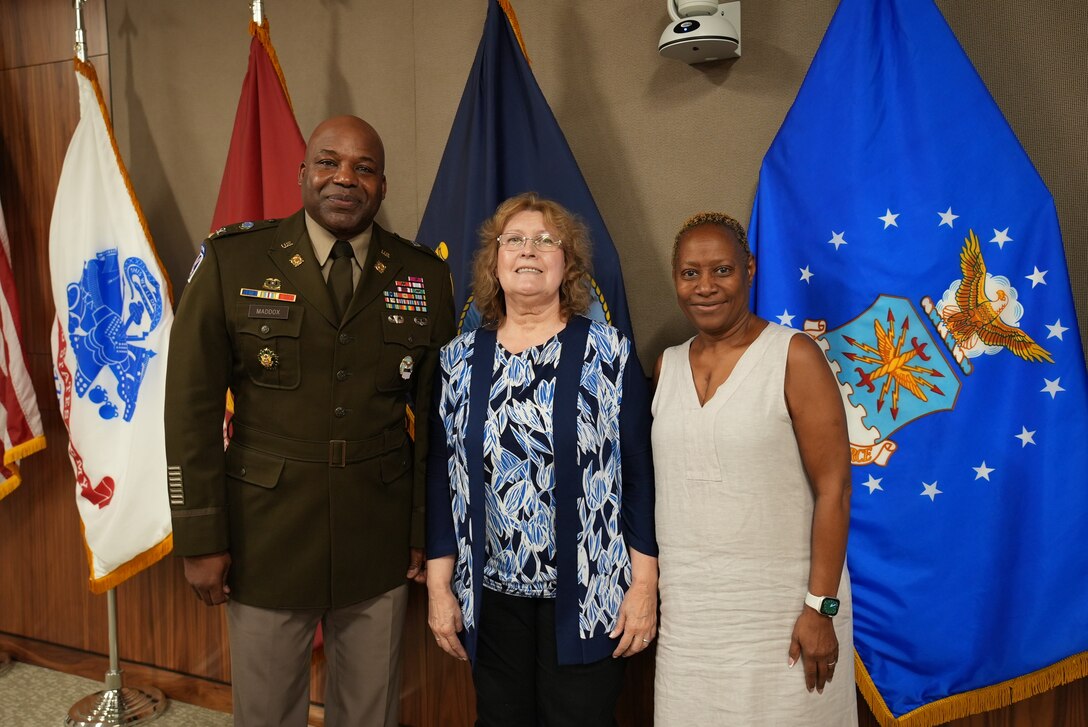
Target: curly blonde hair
573, 291
712, 218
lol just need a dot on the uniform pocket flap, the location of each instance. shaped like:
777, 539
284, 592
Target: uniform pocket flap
253, 466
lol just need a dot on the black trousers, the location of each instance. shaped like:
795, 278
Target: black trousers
518, 679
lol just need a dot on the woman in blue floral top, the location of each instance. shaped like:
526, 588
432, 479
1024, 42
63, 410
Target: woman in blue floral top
542, 561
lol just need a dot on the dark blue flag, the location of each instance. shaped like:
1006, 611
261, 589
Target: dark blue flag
505, 141
899, 222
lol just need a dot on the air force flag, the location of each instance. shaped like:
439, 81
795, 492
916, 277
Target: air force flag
900, 223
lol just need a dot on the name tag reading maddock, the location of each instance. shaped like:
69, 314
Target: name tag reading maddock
267, 295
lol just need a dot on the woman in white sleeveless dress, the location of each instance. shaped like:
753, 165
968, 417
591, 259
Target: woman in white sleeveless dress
752, 465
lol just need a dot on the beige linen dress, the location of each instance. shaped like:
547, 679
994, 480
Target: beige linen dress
734, 516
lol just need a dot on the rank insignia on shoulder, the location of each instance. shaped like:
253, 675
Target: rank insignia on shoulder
406, 366
271, 284
296, 260
379, 266
267, 295
268, 358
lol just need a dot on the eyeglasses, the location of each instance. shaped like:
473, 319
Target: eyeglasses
543, 242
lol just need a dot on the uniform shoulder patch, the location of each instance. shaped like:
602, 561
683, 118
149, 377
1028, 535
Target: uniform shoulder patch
241, 227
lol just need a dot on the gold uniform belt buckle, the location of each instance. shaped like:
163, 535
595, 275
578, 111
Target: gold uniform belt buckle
338, 453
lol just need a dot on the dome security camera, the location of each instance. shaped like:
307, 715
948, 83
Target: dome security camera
701, 30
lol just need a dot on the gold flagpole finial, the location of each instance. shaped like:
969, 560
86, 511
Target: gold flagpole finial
258, 11
81, 43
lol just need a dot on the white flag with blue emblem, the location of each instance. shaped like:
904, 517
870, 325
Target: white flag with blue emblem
109, 349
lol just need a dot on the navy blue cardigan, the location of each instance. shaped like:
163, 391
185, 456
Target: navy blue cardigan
583, 621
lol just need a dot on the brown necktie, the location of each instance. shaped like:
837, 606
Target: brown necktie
340, 283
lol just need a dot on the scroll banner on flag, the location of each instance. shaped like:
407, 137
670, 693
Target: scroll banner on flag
260, 179
505, 141
110, 341
22, 424
901, 224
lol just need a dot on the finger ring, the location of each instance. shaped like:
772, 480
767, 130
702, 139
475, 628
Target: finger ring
831, 663
645, 641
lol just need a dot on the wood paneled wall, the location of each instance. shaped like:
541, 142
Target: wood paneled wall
167, 638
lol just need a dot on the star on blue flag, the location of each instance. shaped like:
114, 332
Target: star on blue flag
950, 351
505, 141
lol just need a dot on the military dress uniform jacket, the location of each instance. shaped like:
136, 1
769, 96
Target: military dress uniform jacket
321, 492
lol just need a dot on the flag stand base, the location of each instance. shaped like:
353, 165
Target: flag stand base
5, 663
116, 705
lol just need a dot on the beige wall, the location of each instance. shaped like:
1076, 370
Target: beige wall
656, 139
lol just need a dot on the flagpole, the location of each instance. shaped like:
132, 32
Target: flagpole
117, 705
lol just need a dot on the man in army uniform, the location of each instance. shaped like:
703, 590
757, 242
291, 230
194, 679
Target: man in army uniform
324, 327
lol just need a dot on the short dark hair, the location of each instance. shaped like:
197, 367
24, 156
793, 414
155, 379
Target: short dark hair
712, 218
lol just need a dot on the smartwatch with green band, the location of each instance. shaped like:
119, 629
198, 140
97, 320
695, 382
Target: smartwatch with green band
825, 605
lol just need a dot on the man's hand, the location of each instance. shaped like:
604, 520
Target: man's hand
207, 574
417, 566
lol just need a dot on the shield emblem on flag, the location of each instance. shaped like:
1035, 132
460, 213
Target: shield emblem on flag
890, 371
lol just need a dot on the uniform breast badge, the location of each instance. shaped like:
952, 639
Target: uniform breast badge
394, 318
270, 360
272, 284
406, 366
420, 320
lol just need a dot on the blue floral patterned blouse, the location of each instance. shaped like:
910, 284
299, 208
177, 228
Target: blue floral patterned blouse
520, 473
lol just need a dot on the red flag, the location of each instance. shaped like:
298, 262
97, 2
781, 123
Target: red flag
20, 424
266, 147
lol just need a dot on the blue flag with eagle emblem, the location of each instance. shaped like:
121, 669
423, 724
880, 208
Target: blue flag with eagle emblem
505, 141
900, 223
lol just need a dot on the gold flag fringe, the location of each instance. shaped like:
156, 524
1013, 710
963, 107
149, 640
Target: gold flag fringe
513, 18
25, 449
87, 70
11, 461
119, 575
261, 33
8, 486
976, 701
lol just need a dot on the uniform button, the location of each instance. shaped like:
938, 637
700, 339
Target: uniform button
411, 339
242, 472
342, 375
265, 328
340, 412
345, 338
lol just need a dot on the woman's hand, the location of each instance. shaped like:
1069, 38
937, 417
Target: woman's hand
636, 626
814, 641
443, 609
